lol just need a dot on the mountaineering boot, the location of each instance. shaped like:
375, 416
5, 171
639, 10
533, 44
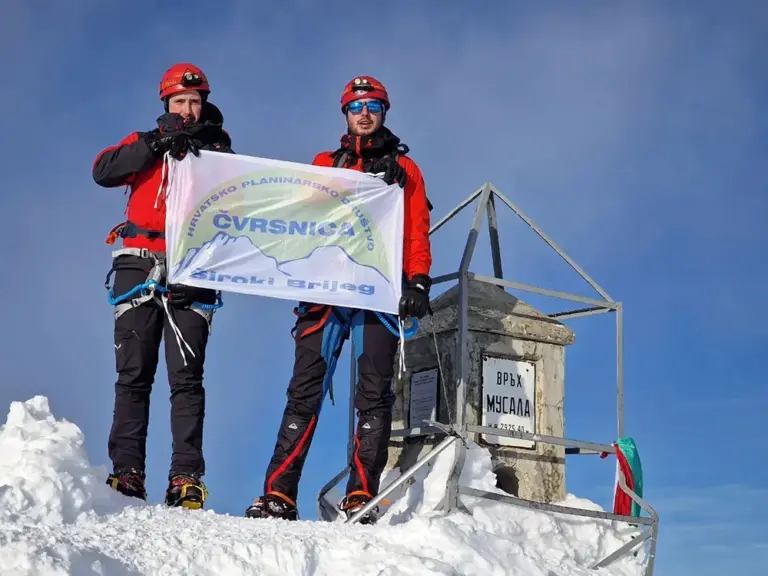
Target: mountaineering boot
129, 482
272, 506
353, 502
186, 490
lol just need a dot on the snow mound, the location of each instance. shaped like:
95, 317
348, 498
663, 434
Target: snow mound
45, 477
57, 517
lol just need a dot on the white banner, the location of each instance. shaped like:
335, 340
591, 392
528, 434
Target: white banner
285, 230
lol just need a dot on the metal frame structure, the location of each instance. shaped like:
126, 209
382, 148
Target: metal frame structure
458, 432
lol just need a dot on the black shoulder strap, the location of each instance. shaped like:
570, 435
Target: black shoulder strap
340, 159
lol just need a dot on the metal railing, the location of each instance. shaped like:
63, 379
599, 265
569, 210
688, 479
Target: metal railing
459, 432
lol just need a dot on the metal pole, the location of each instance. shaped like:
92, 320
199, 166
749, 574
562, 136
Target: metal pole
445, 278
554, 440
625, 549
462, 369
544, 291
469, 247
456, 210
557, 509
654, 516
580, 313
415, 431
652, 550
325, 509
493, 232
462, 359
401, 479
620, 369
552, 245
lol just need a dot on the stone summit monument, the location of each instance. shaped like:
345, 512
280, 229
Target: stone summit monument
488, 368
516, 383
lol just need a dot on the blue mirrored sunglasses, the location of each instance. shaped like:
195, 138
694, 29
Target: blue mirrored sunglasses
374, 106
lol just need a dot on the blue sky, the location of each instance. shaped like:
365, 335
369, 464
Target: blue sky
634, 134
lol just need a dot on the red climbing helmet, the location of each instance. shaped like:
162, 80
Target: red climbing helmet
364, 87
182, 77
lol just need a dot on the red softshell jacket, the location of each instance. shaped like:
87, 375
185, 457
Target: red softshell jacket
130, 163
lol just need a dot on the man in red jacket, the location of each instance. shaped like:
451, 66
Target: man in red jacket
145, 311
321, 330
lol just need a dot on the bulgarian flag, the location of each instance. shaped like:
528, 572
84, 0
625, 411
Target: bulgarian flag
628, 461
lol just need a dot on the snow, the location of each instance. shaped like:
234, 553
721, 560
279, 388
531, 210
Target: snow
58, 517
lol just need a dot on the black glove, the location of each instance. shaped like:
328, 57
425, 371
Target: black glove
170, 124
415, 298
172, 136
181, 295
393, 172
181, 144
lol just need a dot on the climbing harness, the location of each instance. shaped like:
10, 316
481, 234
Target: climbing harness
154, 287
338, 323
130, 229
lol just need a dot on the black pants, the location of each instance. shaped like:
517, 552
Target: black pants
375, 347
138, 333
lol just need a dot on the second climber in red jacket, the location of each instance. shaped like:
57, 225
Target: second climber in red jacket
367, 146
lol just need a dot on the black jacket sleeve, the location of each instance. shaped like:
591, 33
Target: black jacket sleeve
118, 165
